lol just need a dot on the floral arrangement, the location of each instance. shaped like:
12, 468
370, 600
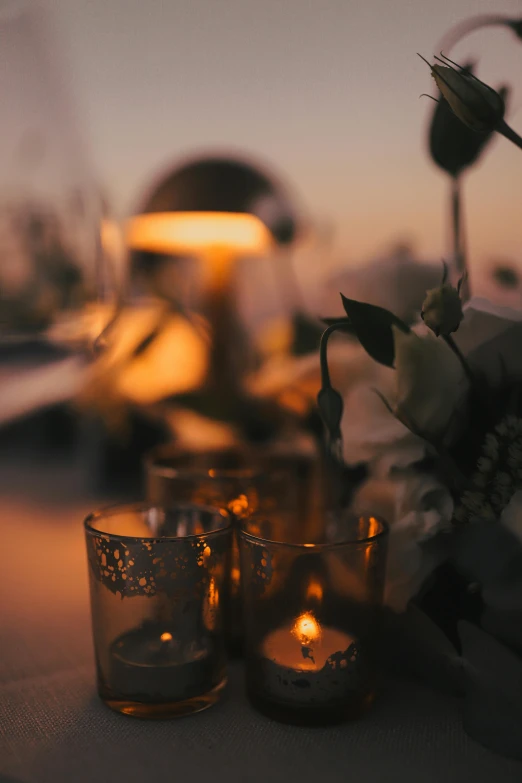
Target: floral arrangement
440, 433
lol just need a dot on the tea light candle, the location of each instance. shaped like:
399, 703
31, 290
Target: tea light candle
304, 663
150, 664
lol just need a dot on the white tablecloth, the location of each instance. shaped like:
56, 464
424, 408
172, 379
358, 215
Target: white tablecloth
54, 729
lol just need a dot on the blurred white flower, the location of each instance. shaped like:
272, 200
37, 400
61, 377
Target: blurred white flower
490, 337
418, 507
428, 388
372, 434
431, 384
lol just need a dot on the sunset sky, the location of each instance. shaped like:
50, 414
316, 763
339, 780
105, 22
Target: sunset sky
326, 91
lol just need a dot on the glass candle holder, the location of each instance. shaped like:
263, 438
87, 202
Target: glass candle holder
157, 581
310, 615
244, 482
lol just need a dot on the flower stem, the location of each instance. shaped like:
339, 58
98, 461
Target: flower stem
468, 372
330, 399
459, 252
460, 356
323, 353
504, 129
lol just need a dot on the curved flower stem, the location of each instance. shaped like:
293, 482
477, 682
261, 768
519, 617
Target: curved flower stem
333, 402
467, 26
504, 129
323, 354
460, 356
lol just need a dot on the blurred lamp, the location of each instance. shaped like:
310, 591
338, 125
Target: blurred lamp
210, 204
219, 209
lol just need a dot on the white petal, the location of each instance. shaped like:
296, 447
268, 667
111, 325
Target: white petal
431, 384
409, 565
490, 337
367, 425
483, 321
512, 515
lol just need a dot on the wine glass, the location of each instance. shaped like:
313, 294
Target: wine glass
57, 289
51, 255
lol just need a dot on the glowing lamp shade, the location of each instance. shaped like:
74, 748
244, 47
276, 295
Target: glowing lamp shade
199, 233
213, 204
219, 210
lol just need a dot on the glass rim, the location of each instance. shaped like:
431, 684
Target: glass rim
184, 472
111, 510
321, 546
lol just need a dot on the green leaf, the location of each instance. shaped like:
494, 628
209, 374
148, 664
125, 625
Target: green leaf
373, 327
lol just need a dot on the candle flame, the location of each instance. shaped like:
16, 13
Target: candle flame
306, 629
314, 590
166, 637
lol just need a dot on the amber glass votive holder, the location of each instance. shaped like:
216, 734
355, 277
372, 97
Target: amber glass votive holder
311, 612
158, 578
244, 482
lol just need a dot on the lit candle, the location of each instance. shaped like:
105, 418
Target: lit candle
307, 664
305, 645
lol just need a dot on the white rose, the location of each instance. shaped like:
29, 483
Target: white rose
372, 434
417, 508
512, 515
431, 383
424, 509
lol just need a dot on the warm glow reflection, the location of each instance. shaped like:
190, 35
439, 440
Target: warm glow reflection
213, 594
166, 637
238, 506
235, 575
306, 629
211, 606
368, 527
198, 433
314, 590
174, 363
197, 232
374, 527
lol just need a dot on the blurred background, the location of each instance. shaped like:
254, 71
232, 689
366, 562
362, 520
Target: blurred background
326, 91
124, 320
